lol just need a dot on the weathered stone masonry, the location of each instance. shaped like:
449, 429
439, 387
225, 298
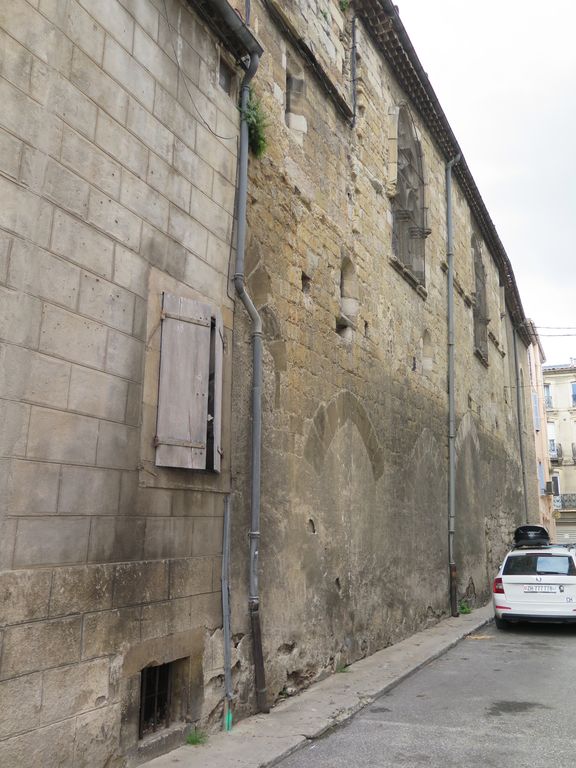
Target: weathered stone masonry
355, 458
118, 152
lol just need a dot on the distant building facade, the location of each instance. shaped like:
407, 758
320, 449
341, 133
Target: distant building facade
560, 400
536, 360
126, 365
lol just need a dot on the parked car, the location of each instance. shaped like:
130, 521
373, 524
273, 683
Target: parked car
537, 580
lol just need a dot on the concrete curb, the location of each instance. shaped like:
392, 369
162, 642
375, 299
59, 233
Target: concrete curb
265, 740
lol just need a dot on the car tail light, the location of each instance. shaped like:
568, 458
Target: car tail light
498, 587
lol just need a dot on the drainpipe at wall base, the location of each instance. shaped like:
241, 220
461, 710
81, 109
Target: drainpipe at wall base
519, 396
453, 572
254, 595
226, 622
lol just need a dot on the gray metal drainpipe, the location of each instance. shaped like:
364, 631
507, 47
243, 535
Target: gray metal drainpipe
451, 394
235, 23
353, 72
254, 594
520, 410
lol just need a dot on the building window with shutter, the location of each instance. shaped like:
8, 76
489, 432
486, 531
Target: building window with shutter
188, 427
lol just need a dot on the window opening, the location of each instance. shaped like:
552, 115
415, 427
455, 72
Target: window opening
295, 97
211, 398
533, 565
306, 283
480, 310
155, 694
573, 386
346, 320
427, 353
294, 93
226, 77
409, 229
188, 428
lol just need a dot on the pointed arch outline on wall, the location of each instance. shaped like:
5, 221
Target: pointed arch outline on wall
329, 419
467, 430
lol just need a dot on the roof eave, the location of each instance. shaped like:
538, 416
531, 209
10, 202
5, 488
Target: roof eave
387, 30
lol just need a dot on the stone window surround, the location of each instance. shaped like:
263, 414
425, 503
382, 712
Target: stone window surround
149, 474
295, 98
479, 306
391, 188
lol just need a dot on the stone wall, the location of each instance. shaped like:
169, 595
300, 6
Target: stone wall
117, 163
118, 151
355, 448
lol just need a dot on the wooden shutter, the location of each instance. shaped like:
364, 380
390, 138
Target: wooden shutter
184, 383
218, 355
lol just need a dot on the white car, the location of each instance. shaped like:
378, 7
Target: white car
537, 582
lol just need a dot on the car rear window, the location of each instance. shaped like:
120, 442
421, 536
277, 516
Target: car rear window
533, 565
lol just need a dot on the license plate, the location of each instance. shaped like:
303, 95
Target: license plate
540, 588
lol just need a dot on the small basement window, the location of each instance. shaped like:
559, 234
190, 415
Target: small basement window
155, 695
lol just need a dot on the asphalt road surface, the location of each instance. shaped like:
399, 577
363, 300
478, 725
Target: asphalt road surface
499, 698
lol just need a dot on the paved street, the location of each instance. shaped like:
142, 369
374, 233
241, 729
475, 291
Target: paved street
495, 699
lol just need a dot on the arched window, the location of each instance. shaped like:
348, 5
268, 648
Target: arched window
480, 310
409, 230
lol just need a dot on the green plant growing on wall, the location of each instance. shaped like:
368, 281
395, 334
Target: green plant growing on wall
344, 5
256, 120
464, 608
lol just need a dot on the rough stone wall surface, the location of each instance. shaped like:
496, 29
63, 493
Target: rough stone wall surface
117, 174
355, 448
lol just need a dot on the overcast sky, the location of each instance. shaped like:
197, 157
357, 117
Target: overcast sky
505, 74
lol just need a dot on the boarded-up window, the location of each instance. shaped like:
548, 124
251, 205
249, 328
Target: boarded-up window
188, 429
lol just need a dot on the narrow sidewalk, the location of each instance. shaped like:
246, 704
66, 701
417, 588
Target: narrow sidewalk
263, 740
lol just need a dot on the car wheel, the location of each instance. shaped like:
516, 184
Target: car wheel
500, 623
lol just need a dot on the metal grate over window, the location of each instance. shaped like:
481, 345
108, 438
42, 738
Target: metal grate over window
155, 693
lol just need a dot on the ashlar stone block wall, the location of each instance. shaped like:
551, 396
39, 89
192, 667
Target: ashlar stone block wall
117, 174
